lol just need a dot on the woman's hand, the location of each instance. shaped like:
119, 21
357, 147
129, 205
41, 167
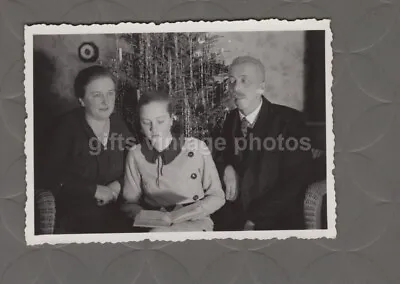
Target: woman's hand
231, 183
115, 187
103, 195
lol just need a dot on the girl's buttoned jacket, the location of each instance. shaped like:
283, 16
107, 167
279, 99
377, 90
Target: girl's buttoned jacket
191, 177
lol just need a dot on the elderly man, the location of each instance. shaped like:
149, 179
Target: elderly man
265, 164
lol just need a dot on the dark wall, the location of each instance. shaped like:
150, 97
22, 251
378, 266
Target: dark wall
314, 61
314, 98
314, 87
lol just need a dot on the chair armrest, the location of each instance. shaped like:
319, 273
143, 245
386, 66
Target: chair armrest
313, 204
46, 210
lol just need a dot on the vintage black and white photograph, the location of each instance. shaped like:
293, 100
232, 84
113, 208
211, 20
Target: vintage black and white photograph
177, 131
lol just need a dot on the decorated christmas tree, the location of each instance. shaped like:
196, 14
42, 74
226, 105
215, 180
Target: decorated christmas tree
183, 64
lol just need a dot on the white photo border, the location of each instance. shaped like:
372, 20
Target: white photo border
188, 26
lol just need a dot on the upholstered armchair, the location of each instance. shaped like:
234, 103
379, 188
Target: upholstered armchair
45, 212
314, 203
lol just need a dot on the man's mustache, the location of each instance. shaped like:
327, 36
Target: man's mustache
239, 96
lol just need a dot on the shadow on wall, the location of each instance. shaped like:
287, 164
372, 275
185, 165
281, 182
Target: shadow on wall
314, 103
44, 101
44, 97
314, 87
48, 104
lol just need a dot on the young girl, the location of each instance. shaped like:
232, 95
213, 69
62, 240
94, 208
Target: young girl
167, 173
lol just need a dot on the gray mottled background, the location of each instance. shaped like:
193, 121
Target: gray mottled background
367, 127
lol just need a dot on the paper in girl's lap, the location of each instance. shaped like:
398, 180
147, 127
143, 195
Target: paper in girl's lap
154, 219
186, 213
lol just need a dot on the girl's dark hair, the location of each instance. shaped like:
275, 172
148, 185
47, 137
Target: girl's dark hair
155, 96
87, 75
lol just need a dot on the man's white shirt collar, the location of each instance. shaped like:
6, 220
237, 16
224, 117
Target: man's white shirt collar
251, 117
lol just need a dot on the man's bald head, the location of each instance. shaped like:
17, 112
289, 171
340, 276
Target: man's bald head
240, 60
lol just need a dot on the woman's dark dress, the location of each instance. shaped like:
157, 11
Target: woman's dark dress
76, 162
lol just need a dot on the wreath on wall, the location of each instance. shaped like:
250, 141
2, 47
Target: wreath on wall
88, 52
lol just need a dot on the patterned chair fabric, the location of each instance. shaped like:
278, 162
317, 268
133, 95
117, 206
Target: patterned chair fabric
46, 209
313, 203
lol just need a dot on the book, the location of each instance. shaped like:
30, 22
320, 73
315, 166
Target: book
155, 218
186, 213
152, 219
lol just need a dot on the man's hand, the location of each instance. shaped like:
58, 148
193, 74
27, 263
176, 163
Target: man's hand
249, 226
103, 195
231, 183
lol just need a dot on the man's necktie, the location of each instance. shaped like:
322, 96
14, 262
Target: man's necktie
244, 126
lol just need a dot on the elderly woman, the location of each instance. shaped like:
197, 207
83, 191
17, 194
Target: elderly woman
167, 174
84, 166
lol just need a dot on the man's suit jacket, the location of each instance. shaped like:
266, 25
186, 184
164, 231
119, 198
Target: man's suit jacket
272, 180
